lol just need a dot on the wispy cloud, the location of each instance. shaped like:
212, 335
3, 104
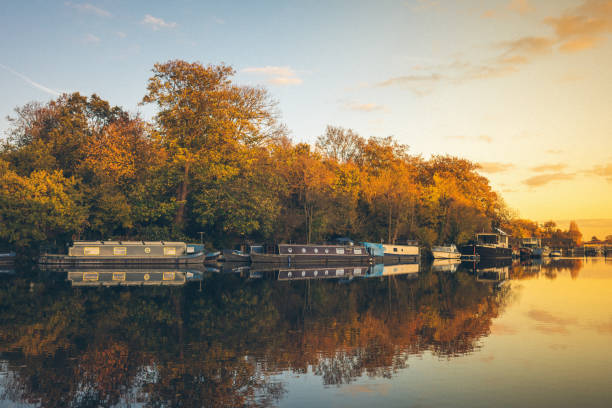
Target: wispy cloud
543, 179
120, 34
549, 167
480, 138
494, 167
363, 107
577, 29
157, 23
604, 171
31, 82
88, 8
276, 75
91, 39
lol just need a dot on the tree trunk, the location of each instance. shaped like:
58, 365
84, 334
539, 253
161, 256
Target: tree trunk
182, 198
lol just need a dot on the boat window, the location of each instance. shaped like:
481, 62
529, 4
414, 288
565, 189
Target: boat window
119, 251
357, 251
168, 276
289, 250
118, 276
326, 251
339, 250
169, 251
303, 250
394, 249
91, 251
147, 250
316, 250
90, 276
146, 276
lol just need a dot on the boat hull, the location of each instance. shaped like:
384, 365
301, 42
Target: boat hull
283, 259
78, 261
445, 255
487, 252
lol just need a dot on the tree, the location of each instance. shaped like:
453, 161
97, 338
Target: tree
574, 233
202, 118
339, 144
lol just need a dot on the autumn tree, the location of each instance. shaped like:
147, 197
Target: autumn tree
339, 144
203, 117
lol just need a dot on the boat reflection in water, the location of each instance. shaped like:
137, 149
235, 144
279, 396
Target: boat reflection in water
445, 265
494, 271
132, 277
345, 272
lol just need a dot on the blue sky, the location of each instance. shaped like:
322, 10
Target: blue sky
522, 86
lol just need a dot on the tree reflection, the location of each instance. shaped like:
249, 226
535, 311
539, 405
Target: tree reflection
222, 346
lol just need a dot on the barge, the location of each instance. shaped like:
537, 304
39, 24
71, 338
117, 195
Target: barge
397, 254
128, 253
489, 246
289, 254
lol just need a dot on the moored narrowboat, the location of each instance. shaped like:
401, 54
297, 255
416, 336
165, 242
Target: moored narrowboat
94, 253
404, 253
314, 254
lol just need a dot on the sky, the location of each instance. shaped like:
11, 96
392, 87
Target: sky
523, 87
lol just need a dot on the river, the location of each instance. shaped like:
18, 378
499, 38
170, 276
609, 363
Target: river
520, 335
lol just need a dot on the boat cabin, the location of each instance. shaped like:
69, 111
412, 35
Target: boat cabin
410, 248
492, 239
142, 249
531, 242
321, 250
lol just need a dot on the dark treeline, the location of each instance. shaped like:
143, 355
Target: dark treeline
160, 346
216, 159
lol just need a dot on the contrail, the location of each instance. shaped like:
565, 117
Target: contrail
29, 81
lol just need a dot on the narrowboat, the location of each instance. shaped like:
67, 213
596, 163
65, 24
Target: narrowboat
445, 252
406, 253
238, 256
131, 277
489, 246
95, 253
314, 254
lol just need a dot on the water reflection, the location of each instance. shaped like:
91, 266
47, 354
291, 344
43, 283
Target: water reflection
226, 341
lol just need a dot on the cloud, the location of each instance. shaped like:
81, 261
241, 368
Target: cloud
276, 75
157, 23
529, 45
493, 167
31, 82
604, 171
549, 167
91, 39
363, 107
583, 27
422, 5
520, 6
88, 8
120, 34
543, 179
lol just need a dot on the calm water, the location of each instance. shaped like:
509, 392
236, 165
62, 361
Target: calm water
517, 336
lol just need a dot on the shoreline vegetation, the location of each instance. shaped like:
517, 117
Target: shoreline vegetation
217, 160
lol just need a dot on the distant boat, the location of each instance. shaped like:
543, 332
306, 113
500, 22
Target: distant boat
404, 253
555, 253
445, 252
313, 254
489, 246
94, 253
